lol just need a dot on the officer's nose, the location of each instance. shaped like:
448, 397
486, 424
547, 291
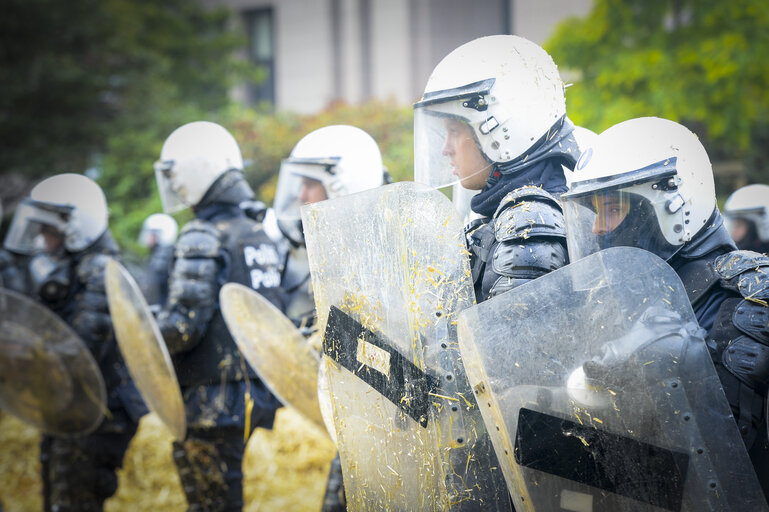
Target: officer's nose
448, 147
599, 226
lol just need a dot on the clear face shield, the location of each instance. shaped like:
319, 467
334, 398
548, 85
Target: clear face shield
169, 187
300, 183
446, 149
742, 224
37, 227
614, 218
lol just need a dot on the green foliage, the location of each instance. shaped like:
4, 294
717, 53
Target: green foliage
699, 62
267, 138
100, 84
72, 73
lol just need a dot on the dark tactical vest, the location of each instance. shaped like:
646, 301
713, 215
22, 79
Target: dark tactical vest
86, 310
739, 338
206, 251
524, 240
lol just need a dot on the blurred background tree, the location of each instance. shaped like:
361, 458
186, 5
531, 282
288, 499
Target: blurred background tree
699, 62
98, 85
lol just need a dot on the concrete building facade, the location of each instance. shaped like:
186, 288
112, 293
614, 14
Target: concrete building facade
315, 52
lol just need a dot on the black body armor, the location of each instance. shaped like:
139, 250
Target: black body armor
524, 240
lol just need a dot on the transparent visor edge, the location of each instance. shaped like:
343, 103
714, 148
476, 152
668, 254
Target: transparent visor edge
446, 150
169, 198
605, 219
26, 234
288, 202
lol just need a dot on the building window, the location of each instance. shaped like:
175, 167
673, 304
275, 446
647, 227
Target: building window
261, 51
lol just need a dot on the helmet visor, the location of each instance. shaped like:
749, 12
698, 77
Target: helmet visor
611, 218
169, 194
300, 183
446, 149
37, 227
462, 198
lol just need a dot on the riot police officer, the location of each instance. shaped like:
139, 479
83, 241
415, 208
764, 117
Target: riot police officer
747, 217
158, 234
493, 118
62, 226
11, 268
329, 162
201, 167
648, 183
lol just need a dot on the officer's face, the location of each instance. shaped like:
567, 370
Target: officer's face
611, 210
466, 157
52, 240
312, 191
738, 228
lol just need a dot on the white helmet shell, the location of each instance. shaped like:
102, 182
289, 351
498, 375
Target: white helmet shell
585, 138
343, 158
750, 203
505, 87
655, 159
71, 204
192, 159
158, 229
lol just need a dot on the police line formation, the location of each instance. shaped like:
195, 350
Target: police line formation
578, 331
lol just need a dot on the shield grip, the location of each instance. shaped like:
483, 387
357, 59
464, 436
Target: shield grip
394, 377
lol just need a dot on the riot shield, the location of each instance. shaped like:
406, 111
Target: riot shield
600, 395
324, 400
144, 350
48, 378
389, 274
274, 348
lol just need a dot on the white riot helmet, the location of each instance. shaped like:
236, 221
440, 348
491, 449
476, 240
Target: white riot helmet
158, 229
334, 161
192, 159
750, 203
505, 88
69, 206
585, 138
644, 183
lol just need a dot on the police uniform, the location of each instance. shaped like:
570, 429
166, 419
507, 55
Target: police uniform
223, 244
79, 474
729, 290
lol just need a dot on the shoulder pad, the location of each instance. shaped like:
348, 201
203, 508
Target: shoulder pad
198, 239
528, 260
91, 269
526, 192
735, 263
529, 216
746, 272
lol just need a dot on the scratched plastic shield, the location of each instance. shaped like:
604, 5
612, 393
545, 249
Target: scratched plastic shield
274, 348
597, 387
48, 378
390, 273
144, 350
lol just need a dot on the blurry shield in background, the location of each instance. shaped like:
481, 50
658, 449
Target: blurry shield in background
596, 385
48, 377
144, 350
274, 347
389, 274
